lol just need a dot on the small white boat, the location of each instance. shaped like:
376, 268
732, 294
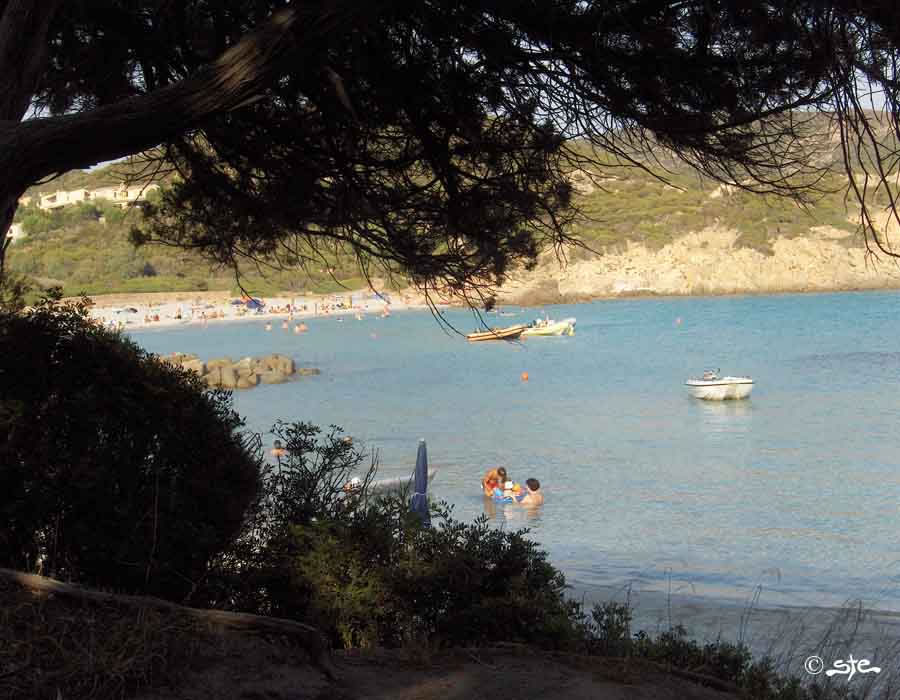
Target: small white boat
713, 387
548, 327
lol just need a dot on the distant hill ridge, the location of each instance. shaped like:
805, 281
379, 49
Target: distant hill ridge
690, 236
95, 178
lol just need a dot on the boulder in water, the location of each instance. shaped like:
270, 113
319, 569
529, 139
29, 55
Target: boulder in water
272, 377
247, 381
213, 377
219, 362
194, 366
229, 377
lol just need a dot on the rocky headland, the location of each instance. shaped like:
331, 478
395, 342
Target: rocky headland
706, 262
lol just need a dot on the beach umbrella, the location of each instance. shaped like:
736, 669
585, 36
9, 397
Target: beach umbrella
419, 503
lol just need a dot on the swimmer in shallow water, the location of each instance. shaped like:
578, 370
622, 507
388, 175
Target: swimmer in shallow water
494, 478
533, 494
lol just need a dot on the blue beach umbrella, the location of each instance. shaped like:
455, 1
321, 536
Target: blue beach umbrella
418, 503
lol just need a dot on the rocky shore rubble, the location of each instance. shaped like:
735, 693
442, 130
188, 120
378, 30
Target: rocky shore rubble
246, 373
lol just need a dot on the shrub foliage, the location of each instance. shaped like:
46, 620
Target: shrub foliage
380, 578
116, 469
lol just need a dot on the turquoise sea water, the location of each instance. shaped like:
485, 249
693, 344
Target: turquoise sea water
796, 489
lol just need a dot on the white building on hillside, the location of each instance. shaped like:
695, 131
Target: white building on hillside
122, 195
61, 199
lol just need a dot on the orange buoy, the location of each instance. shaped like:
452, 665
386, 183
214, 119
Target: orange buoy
524, 376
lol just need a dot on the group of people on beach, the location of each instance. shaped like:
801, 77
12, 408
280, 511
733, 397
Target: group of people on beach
497, 485
203, 316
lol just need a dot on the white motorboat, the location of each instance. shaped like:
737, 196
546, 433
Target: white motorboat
547, 327
713, 387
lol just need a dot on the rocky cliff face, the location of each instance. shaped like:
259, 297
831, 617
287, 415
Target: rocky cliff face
708, 262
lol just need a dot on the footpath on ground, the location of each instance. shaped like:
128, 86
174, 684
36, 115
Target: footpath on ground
262, 670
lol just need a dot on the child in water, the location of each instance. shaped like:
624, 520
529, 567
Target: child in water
493, 480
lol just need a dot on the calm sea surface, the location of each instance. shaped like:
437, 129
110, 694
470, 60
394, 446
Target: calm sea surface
795, 489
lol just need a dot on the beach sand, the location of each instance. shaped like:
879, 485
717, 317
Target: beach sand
167, 309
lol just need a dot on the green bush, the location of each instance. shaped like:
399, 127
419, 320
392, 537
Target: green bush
381, 578
116, 469
14, 290
608, 631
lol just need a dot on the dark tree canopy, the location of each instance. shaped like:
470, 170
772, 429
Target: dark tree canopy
434, 138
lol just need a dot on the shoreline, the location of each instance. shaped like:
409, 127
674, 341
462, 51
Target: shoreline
141, 311
217, 307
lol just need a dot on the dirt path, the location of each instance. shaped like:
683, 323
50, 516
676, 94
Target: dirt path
266, 671
521, 675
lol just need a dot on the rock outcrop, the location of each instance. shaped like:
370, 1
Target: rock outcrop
707, 262
246, 373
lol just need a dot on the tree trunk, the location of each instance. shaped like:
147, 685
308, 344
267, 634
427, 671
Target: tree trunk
37, 148
23, 56
9, 202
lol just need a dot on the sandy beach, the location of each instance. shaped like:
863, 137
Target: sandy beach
166, 309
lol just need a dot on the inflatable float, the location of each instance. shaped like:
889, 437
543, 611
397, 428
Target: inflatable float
498, 496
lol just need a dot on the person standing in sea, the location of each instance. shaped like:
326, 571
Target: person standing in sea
494, 478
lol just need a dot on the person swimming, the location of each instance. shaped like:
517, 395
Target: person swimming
533, 494
494, 478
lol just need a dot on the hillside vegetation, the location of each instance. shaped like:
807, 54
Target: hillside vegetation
642, 209
86, 248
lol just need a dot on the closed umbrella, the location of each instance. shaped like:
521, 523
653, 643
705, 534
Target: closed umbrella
419, 503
